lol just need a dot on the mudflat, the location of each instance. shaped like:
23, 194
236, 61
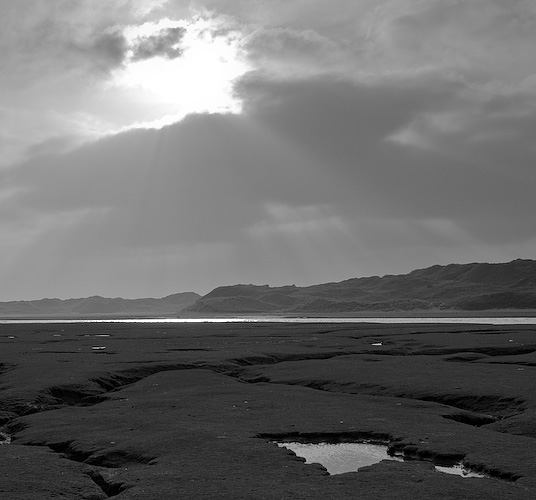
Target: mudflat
179, 411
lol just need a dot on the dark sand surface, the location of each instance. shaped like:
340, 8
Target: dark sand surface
184, 411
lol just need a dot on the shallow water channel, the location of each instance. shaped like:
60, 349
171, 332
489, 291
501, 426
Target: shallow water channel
339, 458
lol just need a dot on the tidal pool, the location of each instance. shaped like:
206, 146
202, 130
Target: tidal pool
459, 470
339, 458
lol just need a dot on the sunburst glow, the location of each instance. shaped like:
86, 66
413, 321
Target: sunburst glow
197, 78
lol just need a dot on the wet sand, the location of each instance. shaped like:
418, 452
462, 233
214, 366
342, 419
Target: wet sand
168, 411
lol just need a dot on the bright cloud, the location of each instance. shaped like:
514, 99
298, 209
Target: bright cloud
80, 70
181, 68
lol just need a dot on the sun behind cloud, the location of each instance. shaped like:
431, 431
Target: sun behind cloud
180, 67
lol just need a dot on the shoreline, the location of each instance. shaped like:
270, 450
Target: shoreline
418, 315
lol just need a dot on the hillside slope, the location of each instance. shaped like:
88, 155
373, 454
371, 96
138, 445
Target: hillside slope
98, 306
470, 287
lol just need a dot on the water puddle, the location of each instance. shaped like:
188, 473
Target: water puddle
339, 458
459, 470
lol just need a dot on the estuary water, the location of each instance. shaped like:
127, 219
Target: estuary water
487, 320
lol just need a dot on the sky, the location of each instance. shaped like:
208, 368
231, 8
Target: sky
149, 147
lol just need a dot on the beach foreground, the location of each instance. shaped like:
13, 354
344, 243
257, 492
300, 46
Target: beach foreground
179, 411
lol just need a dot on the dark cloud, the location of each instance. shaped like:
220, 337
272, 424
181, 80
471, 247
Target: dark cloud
203, 180
166, 43
42, 41
482, 39
109, 49
306, 185
311, 143
101, 52
294, 52
348, 128
318, 15
53, 146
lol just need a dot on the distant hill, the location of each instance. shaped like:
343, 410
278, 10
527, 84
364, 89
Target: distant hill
97, 306
466, 287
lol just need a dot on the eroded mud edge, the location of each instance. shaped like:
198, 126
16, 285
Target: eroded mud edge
396, 446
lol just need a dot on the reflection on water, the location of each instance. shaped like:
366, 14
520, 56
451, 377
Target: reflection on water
349, 457
282, 319
341, 457
459, 470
